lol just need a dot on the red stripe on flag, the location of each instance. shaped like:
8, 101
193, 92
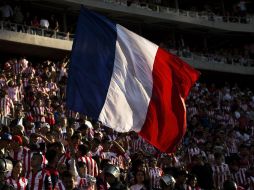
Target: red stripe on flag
165, 123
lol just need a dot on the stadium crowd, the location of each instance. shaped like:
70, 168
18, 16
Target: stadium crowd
44, 145
243, 55
222, 56
233, 11
16, 16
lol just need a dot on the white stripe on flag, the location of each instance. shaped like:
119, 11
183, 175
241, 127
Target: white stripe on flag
131, 85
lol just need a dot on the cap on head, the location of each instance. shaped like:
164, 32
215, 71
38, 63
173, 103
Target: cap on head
88, 124
5, 165
229, 185
45, 125
113, 170
18, 139
168, 180
6, 136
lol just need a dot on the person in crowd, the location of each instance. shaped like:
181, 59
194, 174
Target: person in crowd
18, 17
7, 107
35, 22
221, 170
92, 167
192, 183
68, 181
229, 185
6, 11
140, 182
112, 175
39, 178
44, 23
155, 174
180, 176
54, 25
167, 182
203, 171
51, 167
16, 179
5, 167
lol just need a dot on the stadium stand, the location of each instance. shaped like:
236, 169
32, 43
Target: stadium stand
51, 147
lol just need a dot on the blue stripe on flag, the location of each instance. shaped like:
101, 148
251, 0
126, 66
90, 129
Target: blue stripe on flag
92, 62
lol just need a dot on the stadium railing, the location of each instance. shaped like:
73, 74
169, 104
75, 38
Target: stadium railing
208, 16
212, 58
5, 25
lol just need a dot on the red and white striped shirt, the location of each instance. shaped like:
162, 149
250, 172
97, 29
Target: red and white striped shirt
21, 184
50, 119
44, 89
92, 168
155, 175
98, 151
231, 148
52, 86
59, 185
81, 182
18, 155
39, 113
239, 177
113, 157
137, 145
40, 180
27, 163
6, 106
64, 158
220, 174
13, 93
25, 82
195, 151
28, 71
16, 68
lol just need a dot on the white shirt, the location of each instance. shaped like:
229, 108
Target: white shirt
137, 187
242, 6
44, 23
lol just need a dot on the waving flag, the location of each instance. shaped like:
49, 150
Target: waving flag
127, 82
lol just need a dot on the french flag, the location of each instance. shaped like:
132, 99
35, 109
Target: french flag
127, 82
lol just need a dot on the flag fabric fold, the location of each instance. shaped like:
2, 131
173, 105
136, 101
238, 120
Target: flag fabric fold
127, 82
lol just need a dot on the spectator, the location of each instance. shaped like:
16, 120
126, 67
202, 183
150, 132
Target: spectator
167, 182
68, 180
54, 25
16, 179
39, 178
155, 174
181, 178
44, 23
6, 11
112, 175
18, 16
229, 185
140, 182
35, 24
